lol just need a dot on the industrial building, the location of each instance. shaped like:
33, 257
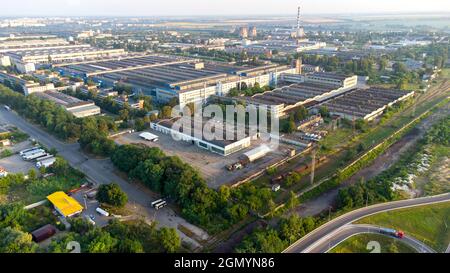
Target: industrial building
29, 87
365, 104
64, 204
332, 79
73, 105
27, 60
218, 145
307, 91
166, 77
29, 44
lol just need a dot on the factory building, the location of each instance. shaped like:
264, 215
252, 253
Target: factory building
78, 108
27, 60
365, 104
29, 44
167, 77
28, 87
283, 100
332, 79
217, 145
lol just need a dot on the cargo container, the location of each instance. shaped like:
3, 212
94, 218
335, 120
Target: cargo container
46, 163
43, 233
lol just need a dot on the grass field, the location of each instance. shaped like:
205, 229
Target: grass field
430, 224
358, 244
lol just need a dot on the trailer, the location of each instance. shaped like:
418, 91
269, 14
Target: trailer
392, 232
46, 156
46, 163
34, 155
149, 137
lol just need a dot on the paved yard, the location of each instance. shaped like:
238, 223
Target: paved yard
211, 165
15, 164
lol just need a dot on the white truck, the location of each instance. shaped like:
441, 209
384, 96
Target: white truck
102, 212
46, 163
34, 155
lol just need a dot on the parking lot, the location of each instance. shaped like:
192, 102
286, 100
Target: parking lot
211, 166
90, 205
15, 164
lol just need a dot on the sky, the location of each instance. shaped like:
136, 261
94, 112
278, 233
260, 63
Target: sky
213, 7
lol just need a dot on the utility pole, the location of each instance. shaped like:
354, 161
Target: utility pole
313, 163
353, 124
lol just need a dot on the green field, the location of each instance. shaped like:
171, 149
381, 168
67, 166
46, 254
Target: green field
430, 224
358, 244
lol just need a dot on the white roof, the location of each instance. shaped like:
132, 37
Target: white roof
258, 152
148, 135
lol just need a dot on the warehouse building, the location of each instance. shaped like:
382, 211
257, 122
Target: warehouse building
29, 44
78, 108
166, 77
25, 59
218, 145
332, 79
282, 100
365, 104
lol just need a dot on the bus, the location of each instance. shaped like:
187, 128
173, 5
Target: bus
34, 155
102, 212
160, 205
29, 150
156, 202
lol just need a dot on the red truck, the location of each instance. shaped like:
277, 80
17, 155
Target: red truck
392, 232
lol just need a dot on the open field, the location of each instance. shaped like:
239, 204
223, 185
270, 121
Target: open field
430, 224
358, 244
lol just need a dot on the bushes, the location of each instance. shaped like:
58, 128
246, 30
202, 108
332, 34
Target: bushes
112, 194
270, 240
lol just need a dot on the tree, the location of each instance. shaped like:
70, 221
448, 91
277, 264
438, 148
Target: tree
166, 112
301, 113
15, 241
324, 112
12, 215
112, 194
169, 239
293, 201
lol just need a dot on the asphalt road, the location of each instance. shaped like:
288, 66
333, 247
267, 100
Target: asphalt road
326, 230
102, 172
347, 231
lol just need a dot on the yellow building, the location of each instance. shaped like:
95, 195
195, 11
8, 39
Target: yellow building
64, 204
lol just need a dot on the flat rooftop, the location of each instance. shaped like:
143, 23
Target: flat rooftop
119, 63
55, 51
292, 94
62, 99
221, 140
329, 75
362, 102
